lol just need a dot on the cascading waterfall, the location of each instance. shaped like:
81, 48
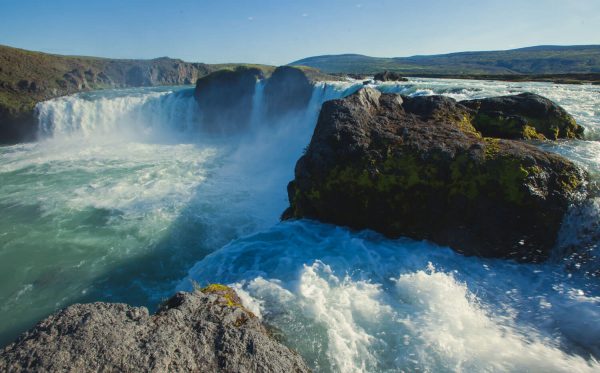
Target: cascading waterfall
127, 191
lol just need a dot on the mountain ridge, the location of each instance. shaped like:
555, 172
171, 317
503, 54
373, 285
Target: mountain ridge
540, 59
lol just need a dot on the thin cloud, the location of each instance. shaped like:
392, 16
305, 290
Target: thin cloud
250, 18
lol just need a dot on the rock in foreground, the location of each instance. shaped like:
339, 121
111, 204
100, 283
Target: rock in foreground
204, 331
417, 167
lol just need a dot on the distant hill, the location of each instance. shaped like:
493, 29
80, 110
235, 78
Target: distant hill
543, 59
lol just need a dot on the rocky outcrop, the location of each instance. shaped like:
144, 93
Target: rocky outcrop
287, 89
203, 331
417, 167
525, 116
389, 76
225, 98
30, 77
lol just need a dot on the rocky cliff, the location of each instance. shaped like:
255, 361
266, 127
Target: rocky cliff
29, 77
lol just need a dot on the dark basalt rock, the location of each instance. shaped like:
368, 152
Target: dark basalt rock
389, 76
287, 89
203, 331
225, 98
17, 126
523, 116
417, 167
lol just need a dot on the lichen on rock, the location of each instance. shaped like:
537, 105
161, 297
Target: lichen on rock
417, 167
206, 330
524, 116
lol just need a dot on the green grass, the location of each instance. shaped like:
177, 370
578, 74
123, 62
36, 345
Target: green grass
530, 61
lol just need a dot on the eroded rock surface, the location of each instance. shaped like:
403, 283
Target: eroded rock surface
524, 116
203, 331
418, 167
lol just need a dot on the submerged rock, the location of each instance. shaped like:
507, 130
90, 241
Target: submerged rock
417, 167
523, 116
389, 76
203, 331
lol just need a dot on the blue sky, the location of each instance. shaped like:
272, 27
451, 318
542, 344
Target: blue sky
278, 32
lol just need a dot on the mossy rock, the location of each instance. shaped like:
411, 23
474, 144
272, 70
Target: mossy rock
229, 296
417, 167
524, 116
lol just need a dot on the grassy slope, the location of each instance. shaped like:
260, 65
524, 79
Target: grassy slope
533, 60
27, 77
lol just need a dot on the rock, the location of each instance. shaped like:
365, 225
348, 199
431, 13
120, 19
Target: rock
417, 167
225, 98
287, 89
523, 116
389, 76
203, 331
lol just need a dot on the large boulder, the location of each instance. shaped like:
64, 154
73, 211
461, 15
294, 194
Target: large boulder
389, 76
524, 116
417, 167
225, 98
203, 331
288, 89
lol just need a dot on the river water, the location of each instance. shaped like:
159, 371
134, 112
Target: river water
126, 199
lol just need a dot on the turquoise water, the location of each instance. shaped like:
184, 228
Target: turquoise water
126, 199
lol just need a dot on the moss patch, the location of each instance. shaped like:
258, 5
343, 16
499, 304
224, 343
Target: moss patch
231, 298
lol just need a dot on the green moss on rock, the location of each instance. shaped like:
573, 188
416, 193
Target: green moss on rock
407, 171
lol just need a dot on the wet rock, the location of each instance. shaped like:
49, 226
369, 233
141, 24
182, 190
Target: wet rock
389, 76
225, 98
523, 116
203, 331
287, 90
417, 167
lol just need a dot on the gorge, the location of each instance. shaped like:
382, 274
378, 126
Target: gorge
128, 188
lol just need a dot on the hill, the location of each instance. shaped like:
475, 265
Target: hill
28, 77
536, 60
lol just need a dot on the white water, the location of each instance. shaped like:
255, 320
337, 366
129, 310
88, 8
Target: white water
126, 192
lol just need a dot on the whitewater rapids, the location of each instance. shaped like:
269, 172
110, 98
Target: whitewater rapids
125, 192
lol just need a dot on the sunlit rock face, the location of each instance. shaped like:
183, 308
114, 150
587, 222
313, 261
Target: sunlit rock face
417, 167
208, 330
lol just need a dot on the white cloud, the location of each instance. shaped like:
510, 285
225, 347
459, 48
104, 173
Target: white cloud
250, 18
304, 14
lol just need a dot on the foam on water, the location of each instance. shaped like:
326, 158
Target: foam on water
140, 115
126, 192
358, 302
